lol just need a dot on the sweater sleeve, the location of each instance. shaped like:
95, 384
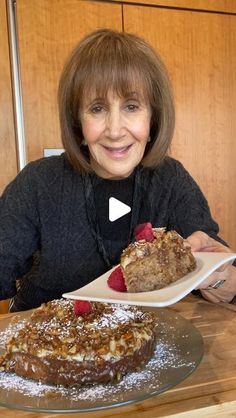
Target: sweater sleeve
189, 210
19, 230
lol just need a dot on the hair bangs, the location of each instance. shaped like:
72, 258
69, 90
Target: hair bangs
114, 72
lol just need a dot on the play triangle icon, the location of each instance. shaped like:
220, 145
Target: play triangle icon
117, 209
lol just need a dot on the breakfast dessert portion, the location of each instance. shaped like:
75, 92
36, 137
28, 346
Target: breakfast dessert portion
157, 259
75, 343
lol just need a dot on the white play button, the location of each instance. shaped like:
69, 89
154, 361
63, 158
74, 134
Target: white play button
117, 209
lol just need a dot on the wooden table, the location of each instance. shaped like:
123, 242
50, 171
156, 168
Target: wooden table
209, 392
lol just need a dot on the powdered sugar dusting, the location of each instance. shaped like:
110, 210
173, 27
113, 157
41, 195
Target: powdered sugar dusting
178, 351
12, 329
165, 357
121, 314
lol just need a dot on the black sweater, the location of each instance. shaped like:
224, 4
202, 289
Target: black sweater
48, 241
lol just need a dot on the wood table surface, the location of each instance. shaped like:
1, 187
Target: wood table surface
209, 392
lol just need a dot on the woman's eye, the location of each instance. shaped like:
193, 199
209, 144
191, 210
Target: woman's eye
97, 109
132, 107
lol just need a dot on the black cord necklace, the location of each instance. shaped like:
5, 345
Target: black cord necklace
92, 212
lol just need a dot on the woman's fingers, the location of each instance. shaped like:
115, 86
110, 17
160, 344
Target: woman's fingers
200, 241
227, 291
209, 280
226, 274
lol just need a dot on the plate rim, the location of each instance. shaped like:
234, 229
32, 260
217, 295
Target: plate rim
141, 298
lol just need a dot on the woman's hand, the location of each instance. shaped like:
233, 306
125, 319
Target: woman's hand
200, 241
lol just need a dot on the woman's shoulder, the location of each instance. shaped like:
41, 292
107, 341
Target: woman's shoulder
46, 164
169, 170
170, 165
47, 168
42, 174
169, 175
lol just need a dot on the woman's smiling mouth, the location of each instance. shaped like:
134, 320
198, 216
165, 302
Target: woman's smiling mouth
117, 152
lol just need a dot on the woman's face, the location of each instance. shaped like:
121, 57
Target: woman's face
116, 131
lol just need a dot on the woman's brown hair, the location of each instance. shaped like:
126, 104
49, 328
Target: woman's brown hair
122, 62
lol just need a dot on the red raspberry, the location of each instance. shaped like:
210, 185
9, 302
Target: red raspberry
82, 307
144, 231
116, 280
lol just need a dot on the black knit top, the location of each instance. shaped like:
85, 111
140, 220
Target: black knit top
55, 235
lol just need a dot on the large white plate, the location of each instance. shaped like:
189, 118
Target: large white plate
98, 290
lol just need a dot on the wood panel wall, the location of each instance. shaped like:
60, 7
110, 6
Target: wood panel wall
228, 6
8, 165
199, 50
48, 30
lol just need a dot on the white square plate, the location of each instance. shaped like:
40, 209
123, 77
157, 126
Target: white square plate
98, 289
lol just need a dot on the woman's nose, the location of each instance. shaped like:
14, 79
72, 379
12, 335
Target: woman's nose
114, 124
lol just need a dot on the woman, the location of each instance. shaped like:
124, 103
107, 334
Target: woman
117, 120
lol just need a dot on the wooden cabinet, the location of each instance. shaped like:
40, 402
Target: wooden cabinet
48, 30
199, 50
8, 161
225, 6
